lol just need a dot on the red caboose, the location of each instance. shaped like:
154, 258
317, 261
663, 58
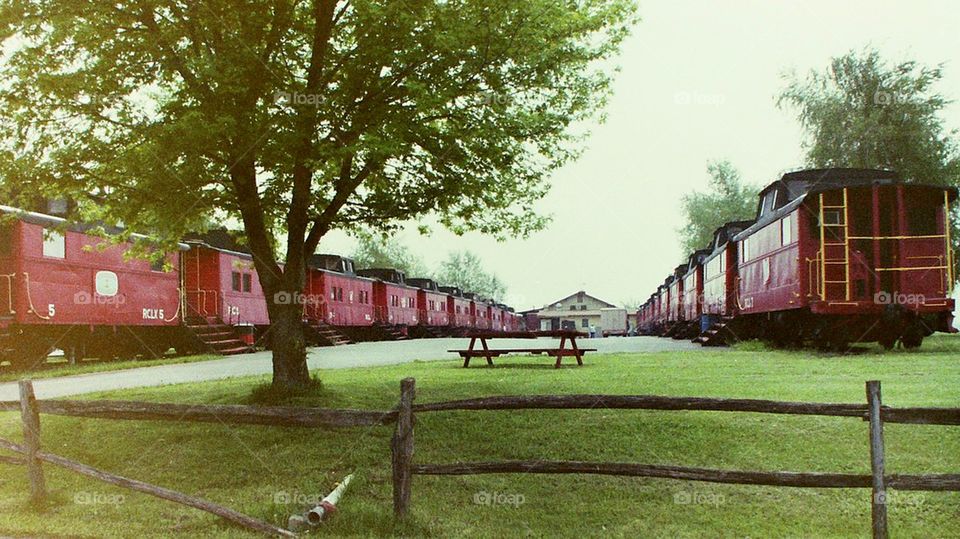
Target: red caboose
848, 255
395, 303
434, 318
63, 288
458, 308
224, 300
335, 295
720, 276
692, 304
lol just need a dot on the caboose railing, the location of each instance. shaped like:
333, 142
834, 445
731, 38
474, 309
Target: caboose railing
203, 298
8, 279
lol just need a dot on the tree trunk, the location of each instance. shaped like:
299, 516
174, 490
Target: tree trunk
288, 341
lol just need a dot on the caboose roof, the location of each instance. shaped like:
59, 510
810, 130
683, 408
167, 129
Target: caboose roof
42, 219
220, 239
424, 283
335, 263
452, 290
389, 275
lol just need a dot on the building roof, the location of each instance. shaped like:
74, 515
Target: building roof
585, 295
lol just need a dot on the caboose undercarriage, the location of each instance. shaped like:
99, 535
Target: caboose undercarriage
886, 325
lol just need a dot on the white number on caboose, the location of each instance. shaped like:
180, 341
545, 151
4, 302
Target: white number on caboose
153, 314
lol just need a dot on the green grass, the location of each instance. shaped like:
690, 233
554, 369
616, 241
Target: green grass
250, 468
59, 368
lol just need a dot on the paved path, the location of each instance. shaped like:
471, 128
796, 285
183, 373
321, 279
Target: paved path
341, 357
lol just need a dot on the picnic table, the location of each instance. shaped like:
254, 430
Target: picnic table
489, 353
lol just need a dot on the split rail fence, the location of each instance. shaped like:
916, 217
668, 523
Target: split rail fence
402, 442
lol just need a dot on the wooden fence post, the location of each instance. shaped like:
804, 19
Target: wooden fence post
402, 448
878, 503
30, 415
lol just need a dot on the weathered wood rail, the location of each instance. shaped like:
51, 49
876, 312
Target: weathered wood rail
276, 416
402, 443
873, 411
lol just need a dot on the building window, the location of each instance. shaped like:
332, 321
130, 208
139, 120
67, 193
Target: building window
235, 285
585, 323
54, 244
583, 307
247, 282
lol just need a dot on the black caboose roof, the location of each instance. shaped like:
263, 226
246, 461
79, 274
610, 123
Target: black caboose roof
220, 239
423, 283
335, 263
389, 275
452, 290
795, 184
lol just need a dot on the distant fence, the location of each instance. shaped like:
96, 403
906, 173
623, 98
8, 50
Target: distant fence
402, 442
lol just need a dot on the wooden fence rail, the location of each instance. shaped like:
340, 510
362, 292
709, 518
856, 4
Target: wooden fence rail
873, 411
279, 416
402, 442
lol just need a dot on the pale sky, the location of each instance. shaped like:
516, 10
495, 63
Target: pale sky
698, 83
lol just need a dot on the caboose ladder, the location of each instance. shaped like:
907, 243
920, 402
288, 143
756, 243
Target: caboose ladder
835, 268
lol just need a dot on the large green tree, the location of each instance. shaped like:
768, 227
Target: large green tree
728, 199
298, 117
862, 112
465, 270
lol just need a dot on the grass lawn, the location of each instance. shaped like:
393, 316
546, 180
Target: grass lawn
55, 368
258, 470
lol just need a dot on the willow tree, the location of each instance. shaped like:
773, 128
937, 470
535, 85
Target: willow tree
298, 117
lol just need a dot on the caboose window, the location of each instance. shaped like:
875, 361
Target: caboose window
786, 230
831, 217
247, 282
922, 222
54, 244
157, 264
235, 284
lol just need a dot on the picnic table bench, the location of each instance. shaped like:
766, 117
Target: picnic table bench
489, 353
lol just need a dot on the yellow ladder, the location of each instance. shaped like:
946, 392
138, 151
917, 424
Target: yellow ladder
836, 229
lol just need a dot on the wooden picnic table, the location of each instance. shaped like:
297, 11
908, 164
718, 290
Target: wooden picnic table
482, 336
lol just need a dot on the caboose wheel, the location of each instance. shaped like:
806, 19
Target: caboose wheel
912, 338
887, 342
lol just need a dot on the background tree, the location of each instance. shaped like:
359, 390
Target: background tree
380, 251
728, 199
464, 269
299, 117
862, 112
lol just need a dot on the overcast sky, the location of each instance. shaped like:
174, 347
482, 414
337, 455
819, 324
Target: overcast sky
698, 83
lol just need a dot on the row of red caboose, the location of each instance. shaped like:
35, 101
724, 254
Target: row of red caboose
833, 256
68, 289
